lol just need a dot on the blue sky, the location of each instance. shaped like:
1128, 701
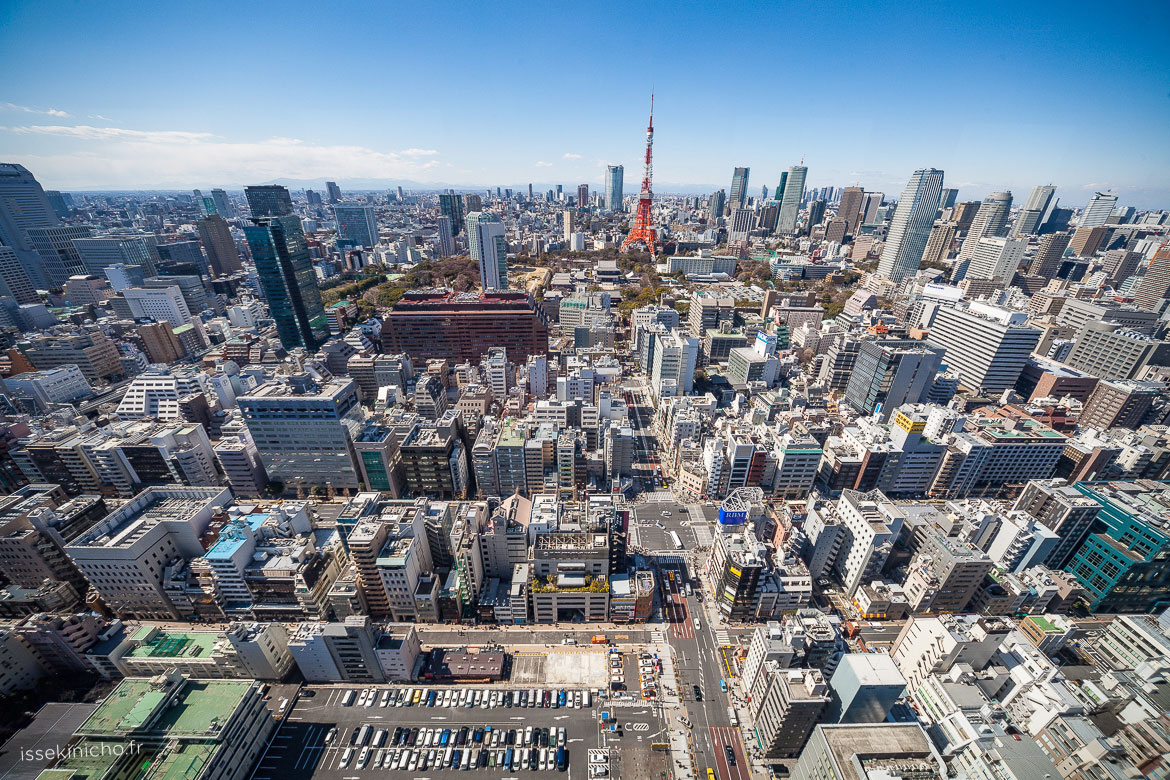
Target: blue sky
129, 94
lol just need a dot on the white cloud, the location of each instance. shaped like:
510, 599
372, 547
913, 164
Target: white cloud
25, 109
88, 156
102, 118
543, 164
571, 156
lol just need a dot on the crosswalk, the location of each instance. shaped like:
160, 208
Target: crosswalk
722, 638
703, 535
659, 495
670, 560
657, 638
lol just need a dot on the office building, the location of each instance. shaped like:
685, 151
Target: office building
445, 234
269, 200
356, 224
1036, 211
1120, 403
1098, 210
614, 175
988, 345
867, 685
849, 209
862, 751
582, 196
786, 705
939, 243
23, 206
332, 191
305, 432
488, 243
944, 575
1154, 288
675, 357
124, 557
911, 225
60, 256
995, 259
43, 389
1125, 566
451, 207
741, 226
458, 326
164, 304
891, 372
790, 200
739, 187
1049, 254
1087, 241
88, 348
990, 222
1111, 351
222, 255
287, 279
14, 280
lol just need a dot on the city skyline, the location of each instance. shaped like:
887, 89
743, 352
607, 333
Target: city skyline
1007, 127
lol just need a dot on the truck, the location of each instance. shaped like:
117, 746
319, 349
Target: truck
600, 639
732, 717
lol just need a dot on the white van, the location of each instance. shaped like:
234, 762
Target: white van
347, 699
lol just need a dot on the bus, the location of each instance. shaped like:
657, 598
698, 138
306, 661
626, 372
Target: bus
678, 545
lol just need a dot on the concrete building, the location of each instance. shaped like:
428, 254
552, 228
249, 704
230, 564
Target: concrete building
989, 345
786, 705
862, 751
337, 652
865, 686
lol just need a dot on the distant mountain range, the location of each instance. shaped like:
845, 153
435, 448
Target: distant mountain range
360, 185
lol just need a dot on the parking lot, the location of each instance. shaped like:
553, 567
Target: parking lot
323, 735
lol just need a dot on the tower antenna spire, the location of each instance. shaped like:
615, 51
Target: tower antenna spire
643, 230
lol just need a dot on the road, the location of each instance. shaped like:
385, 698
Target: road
698, 660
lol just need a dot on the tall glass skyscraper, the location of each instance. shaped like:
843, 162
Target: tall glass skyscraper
268, 200
911, 225
790, 200
356, 223
614, 179
451, 206
288, 280
489, 249
739, 185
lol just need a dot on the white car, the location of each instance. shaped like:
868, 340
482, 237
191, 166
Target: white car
598, 771
346, 755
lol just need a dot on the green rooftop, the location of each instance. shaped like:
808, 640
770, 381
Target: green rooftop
168, 645
1044, 624
127, 708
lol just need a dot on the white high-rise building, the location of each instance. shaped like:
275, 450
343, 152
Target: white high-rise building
996, 258
741, 225
488, 243
988, 345
675, 358
790, 199
990, 222
162, 304
1097, 210
1036, 211
911, 225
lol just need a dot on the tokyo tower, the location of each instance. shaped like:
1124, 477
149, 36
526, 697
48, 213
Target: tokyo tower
642, 232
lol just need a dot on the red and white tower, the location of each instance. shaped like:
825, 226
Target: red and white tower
642, 231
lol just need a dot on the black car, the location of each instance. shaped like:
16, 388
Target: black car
511, 736
461, 737
353, 736
698, 693
397, 736
483, 758
730, 755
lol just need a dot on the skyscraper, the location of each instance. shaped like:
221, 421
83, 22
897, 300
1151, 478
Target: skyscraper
715, 205
990, 222
739, 185
1097, 210
911, 225
776, 196
288, 280
1154, 288
938, 245
23, 205
614, 176
1037, 208
849, 209
948, 198
816, 214
269, 200
996, 258
446, 237
582, 196
472, 202
489, 249
14, 281
223, 205
332, 191
451, 207
790, 200
741, 225
356, 223
222, 255
869, 207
